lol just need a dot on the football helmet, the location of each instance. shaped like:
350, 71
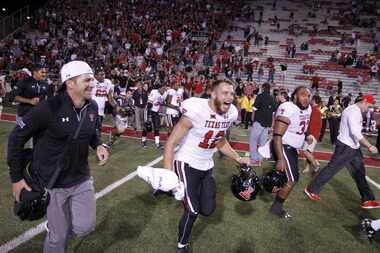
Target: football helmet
245, 186
274, 180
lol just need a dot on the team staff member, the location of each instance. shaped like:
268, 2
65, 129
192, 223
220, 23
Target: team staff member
32, 90
140, 98
72, 208
263, 110
347, 153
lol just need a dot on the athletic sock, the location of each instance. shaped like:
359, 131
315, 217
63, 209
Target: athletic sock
179, 245
143, 139
157, 140
276, 207
375, 224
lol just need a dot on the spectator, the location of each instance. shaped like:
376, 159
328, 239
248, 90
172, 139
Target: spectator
260, 73
314, 131
140, 98
324, 115
262, 116
271, 72
335, 111
247, 102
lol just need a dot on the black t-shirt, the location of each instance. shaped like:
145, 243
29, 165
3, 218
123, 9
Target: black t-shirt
265, 106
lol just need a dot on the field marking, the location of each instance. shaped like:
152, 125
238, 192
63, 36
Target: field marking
371, 181
32, 232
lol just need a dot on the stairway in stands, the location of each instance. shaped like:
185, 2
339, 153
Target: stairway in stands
314, 55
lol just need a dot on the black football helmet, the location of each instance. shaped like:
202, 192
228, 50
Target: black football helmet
274, 180
126, 111
245, 186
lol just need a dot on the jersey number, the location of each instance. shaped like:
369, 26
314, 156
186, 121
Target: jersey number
303, 126
209, 135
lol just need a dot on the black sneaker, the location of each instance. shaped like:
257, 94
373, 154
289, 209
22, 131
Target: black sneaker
143, 144
159, 146
282, 214
185, 249
368, 230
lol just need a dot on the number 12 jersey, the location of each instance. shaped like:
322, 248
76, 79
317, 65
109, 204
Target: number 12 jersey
199, 144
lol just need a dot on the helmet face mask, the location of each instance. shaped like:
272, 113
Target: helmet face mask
274, 180
245, 186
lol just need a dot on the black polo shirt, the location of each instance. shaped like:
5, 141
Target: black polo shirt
265, 106
30, 88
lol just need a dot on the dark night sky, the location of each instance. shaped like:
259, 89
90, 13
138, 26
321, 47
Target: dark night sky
14, 5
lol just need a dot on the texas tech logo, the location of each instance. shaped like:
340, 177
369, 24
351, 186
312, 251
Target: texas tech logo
247, 193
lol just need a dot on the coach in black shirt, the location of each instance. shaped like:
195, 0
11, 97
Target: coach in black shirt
72, 207
32, 90
263, 109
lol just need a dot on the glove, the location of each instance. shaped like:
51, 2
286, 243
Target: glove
179, 192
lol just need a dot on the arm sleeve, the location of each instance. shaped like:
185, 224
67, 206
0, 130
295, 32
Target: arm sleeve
284, 111
30, 125
18, 89
96, 137
188, 109
355, 126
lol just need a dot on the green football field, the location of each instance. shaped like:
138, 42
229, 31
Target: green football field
130, 219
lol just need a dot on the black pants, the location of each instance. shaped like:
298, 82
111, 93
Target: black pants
156, 120
242, 115
334, 129
352, 159
200, 197
323, 129
378, 139
248, 119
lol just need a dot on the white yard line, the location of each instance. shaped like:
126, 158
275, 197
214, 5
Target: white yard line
377, 185
30, 233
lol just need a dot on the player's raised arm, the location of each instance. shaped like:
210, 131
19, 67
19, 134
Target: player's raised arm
179, 131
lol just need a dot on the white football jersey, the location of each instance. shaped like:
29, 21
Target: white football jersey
100, 94
175, 100
299, 123
198, 146
156, 99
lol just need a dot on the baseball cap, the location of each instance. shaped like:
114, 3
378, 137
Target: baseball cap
73, 69
369, 99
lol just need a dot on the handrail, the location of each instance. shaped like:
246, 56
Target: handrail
16, 19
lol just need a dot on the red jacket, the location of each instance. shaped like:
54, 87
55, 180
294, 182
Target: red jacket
315, 124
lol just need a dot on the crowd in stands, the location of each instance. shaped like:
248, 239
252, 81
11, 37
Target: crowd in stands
166, 42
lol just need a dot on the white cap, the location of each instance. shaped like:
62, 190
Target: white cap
25, 70
73, 69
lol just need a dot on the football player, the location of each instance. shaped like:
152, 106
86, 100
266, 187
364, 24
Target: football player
370, 228
291, 122
102, 92
199, 133
155, 100
173, 100
124, 110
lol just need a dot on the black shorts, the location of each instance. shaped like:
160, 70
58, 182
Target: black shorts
291, 157
172, 120
200, 188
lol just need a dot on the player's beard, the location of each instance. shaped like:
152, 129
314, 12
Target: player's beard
298, 103
218, 106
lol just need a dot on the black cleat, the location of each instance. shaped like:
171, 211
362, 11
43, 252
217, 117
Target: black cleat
143, 144
368, 230
282, 214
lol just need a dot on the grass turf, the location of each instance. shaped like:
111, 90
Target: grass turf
130, 219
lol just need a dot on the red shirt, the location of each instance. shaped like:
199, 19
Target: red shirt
315, 124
